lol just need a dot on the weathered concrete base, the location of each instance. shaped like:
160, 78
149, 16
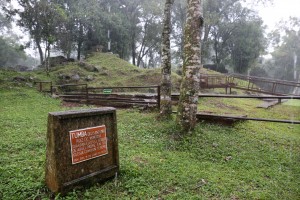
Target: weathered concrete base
61, 175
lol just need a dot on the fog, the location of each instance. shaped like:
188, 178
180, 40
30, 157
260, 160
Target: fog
252, 37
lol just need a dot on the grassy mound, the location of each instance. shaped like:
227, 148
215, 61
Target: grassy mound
111, 71
101, 70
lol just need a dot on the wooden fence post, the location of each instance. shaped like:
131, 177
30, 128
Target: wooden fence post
158, 97
51, 89
87, 94
41, 87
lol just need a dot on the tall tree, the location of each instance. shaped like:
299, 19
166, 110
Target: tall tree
42, 19
150, 37
235, 34
80, 29
187, 108
132, 10
246, 44
144, 18
222, 18
166, 85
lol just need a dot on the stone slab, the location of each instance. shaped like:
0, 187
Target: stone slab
62, 173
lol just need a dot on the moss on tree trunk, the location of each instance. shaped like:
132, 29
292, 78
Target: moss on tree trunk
166, 85
187, 108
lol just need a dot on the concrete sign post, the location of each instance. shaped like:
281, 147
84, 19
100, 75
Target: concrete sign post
82, 148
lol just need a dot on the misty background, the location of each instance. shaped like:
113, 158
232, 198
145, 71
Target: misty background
258, 37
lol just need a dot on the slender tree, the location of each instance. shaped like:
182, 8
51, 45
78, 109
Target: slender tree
166, 103
187, 108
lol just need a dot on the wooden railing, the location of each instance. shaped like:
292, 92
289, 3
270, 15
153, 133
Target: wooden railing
118, 96
147, 96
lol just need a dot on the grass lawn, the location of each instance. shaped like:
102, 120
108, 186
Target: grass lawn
293, 103
251, 160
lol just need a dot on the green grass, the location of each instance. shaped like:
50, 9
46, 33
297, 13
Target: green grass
113, 71
251, 160
117, 72
292, 103
248, 107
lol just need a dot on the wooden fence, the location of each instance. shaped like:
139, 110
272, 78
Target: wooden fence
122, 96
146, 96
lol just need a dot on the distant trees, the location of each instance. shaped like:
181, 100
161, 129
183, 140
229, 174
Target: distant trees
43, 20
247, 45
232, 35
4, 21
144, 21
10, 52
133, 27
226, 37
285, 57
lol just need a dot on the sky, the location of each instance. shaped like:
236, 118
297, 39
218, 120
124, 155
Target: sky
279, 10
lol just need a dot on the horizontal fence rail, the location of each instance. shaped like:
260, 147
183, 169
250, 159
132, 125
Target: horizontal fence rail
262, 85
215, 117
249, 97
243, 77
248, 83
124, 87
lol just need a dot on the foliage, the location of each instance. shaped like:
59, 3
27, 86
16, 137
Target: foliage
258, 72
286, 38
145, 27
234, 32
42, 19
5, 22
247, 44
226, 37
10, 52
251, 160
134, 27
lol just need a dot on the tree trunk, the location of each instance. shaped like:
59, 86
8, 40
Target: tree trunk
133, 53
205, 43
295, 66
295, 73
47, 58
166, 85
80, 41
40, 51
187, 108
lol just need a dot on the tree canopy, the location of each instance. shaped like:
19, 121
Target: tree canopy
233, 35
285, 57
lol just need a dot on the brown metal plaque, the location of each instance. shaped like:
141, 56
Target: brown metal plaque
88, 143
